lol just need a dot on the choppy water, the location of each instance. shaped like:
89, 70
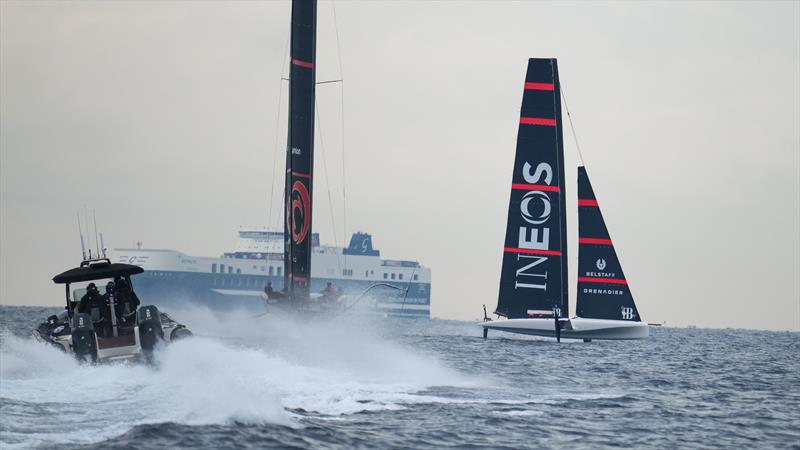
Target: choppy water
403, 384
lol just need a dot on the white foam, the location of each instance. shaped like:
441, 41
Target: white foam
236, 369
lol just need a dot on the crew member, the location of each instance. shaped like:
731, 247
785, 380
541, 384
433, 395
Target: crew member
127, 302
92, 299
272, 293
328, 291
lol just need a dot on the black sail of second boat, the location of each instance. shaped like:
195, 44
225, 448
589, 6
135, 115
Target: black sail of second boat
300, 150
533, 280
603, 291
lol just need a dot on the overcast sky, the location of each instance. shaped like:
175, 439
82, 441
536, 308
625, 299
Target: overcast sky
162, 117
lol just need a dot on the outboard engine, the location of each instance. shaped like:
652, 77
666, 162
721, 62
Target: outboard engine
150, 331
180, 333
84, 341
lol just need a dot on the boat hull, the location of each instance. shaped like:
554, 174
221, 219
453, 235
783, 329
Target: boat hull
573, 328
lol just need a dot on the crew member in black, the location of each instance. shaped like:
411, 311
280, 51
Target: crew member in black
272, 293
92, 299
108, 298
127, 302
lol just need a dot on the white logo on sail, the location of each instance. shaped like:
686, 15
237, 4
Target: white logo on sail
627, 313
601, 264
525, 207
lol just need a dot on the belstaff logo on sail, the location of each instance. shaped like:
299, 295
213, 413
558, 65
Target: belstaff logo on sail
601, 264
297, 213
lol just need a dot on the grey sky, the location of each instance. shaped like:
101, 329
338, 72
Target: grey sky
161, 116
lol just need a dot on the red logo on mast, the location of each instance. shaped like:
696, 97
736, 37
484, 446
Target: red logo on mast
298, 212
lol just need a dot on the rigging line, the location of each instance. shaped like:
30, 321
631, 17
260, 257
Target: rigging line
576, 257
277, 129
371, 287
572, 126
408, 287
327, 180
341, 103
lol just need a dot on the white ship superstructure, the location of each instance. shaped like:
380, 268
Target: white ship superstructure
239, 278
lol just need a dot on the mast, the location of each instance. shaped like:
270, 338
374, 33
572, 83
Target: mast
533, 279
300, 151
603, 291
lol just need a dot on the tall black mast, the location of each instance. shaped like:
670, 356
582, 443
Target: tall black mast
300, 150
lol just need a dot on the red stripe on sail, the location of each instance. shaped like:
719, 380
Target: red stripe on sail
301, 63
601, 280
594, 241
531, 251
582, 202
534, 187
299, 278
539, 86
301, 175
537, 121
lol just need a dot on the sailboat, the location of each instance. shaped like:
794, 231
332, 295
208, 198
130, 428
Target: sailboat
298, 190
533, 296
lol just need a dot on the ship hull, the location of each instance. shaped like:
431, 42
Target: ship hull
573, 328
228, 292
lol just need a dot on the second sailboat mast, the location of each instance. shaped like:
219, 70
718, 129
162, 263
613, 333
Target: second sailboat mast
300, 150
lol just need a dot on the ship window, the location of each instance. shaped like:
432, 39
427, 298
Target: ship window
415, 277
222, 268
393, 276
280, 269
271, 270
213, 268
238, 270
230, 269
347, 272
385, 275
400, 276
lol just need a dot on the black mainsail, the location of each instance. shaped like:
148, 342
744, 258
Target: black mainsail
533, 281
300, 150
603, 291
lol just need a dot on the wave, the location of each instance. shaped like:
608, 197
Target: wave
236, 369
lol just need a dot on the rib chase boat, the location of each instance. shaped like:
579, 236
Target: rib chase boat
534, 278
99, 327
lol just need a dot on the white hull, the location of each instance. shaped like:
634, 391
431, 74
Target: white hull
573, 328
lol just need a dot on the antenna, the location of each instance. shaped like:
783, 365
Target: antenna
80, 233
88, 238
96, 241
102, 245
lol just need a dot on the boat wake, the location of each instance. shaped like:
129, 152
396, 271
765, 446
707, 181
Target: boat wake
236, 369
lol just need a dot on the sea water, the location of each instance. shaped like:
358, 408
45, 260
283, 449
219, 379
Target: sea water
353, 382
